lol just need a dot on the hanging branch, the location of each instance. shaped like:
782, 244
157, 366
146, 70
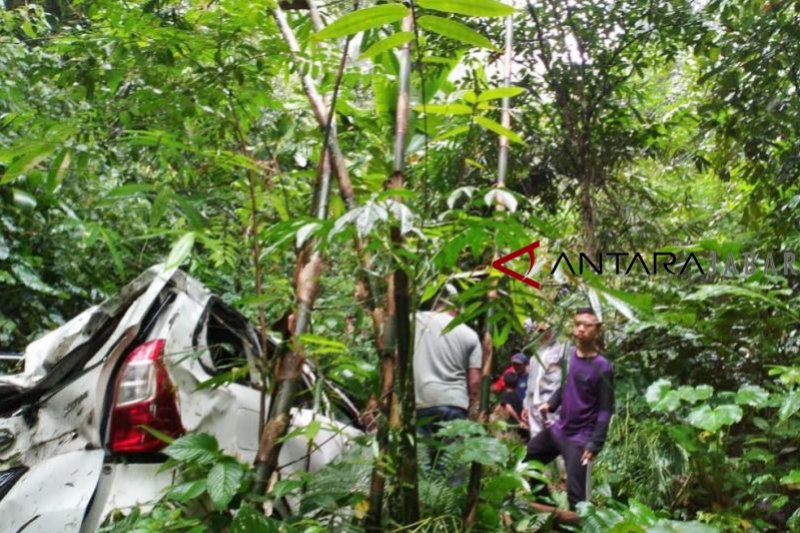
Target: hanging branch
307, 275
321, 113
473, 489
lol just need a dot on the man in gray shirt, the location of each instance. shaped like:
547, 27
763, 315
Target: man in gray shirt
447, 368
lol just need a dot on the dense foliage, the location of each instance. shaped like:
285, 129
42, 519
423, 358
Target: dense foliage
147, 131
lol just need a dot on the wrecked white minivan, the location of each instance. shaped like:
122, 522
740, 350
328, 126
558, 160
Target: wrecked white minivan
72, 443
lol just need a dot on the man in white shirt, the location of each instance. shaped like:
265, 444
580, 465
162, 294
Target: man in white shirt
544, 377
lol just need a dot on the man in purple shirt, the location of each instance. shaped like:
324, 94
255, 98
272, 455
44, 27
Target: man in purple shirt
586, 398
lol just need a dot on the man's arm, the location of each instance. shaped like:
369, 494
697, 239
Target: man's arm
474, 388
605, 409
554, 402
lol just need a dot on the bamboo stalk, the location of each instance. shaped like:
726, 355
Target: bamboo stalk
290, 365
474, 486
397, 395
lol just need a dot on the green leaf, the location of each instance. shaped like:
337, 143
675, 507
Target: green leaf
160, 205
231, 376
695, 394
128, 190
23, 199
31, 279
455, 30
444, 109
163, 437
317, 340
491, 125
792, 478
180, 251
483, 450
19, 160
500, 92
284, 487
393, 41
223, 482
187, 491
708, 419
198, 447
752, 395
473, 8
458, 130
249, 520
712, 291
661, 397
790, 405
362, 19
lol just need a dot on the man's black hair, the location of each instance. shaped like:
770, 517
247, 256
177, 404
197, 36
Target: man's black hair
587, 311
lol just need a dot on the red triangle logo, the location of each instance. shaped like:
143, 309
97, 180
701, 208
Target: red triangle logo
500, 262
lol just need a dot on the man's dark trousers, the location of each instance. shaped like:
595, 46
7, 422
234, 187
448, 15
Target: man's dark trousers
545, 447
430, 421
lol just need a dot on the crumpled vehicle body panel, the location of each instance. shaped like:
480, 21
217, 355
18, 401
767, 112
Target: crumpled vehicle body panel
59, 406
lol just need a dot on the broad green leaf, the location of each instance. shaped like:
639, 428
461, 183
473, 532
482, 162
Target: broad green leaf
393, 41
752, 395
473, 8
31, 279
686, 437
362, 19
790, 405
19, 161
491, 125
187, 491
500, 92
223, 482
695, 394
197, 447
487, 451
23, 199
470, 97
454, 30
792, 478
656, 395
444, 109
249, 520
180, 251
285, 486
708, 419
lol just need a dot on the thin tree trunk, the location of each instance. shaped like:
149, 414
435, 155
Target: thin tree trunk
587, 213
407, 471
366, 289
385, 402
290, 364
320, 110
474, 487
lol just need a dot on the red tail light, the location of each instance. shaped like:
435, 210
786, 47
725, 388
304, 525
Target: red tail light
144, 396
